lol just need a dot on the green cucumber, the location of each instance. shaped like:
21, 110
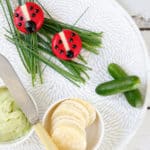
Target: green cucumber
116, 71
118, 86
133, 97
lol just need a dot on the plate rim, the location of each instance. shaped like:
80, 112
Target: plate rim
147, 62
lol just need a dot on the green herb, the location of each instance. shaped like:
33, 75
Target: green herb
31, 47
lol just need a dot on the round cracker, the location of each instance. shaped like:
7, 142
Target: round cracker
66, 122
90, 108
79, 107
66, 117
71, 112
69, 138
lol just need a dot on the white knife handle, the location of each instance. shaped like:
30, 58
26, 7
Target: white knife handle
44, 137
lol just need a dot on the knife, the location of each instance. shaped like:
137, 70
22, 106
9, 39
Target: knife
24, 101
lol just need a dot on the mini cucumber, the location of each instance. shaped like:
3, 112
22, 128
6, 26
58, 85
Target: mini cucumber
118, 86
134, 97
116, 71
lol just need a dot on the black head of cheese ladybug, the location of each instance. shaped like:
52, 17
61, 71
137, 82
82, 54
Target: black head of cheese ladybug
29, 17
66, 45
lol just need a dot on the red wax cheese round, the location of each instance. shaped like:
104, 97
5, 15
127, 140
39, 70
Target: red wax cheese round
29, 17
66, 44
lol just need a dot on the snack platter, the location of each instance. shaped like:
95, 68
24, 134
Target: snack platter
121, 44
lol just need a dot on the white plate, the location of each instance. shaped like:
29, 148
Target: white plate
122, 44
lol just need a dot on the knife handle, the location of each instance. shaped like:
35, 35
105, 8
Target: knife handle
44, 137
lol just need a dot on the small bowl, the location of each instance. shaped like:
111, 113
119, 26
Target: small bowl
18, 140
94, 132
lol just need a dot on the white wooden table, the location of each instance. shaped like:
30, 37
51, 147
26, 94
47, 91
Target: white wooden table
140, 11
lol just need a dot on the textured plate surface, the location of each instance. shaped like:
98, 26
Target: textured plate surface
122, 44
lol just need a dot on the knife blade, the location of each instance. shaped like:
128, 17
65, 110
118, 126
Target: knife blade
17, 90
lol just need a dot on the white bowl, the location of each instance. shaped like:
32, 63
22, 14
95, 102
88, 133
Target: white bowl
94, 133
18, 140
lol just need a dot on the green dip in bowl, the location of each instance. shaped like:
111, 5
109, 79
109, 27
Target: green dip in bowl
13, 122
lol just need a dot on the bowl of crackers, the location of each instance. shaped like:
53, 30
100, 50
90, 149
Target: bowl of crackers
74, 124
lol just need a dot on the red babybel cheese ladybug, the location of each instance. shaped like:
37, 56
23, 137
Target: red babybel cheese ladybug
66, 44
29, 17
